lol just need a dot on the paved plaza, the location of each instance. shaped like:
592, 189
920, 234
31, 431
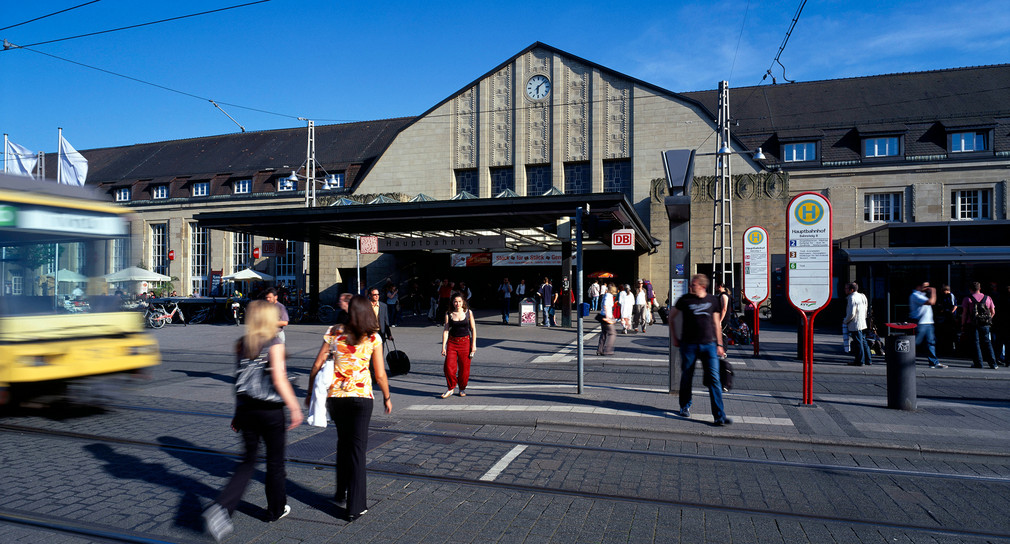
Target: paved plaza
526, 458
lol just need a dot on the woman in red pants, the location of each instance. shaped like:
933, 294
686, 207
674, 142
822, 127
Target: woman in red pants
459, 342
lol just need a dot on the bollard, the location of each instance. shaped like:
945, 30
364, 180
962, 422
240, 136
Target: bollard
900, 359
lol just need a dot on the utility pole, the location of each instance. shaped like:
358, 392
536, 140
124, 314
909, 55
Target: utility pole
722, 216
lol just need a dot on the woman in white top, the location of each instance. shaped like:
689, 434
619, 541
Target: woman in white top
627, 301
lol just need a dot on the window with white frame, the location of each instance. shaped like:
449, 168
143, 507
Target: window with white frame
885, 207
799, 152
965, 142
201, 188
241, 251
242, 187
971, 204
17, 284
123, 194
159, 248
285, 184
333, 181
198, 258
287, 266
160, 191
120, 254
886, 146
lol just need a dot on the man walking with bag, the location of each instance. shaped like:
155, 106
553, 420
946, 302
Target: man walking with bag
699, 337
977, 311
855, 321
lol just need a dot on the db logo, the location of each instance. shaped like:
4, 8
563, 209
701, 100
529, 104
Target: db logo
623, 239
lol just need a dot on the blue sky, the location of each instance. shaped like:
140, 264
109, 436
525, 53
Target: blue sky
340, 61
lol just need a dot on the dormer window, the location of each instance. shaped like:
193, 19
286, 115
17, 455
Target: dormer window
333, 181
885, 146
159, 191
242, 187
123, 194
966, 142
201, 188
285, 184
799, 152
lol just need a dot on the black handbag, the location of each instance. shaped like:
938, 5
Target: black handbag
254, 380
726, 374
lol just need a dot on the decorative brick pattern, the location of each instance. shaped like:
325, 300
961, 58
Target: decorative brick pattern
502, 93
577, 84
617, 118
538, 130
464, 130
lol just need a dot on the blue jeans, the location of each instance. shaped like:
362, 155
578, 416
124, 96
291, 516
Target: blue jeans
924, 331
505, 309
595, 304
860, 347
709, 355
983, 346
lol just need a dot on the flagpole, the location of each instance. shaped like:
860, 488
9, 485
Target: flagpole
5, 152
59, 157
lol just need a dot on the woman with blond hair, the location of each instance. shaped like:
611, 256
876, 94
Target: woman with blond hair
356, 347
259, 419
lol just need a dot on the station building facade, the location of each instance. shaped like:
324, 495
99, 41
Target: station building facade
893, 149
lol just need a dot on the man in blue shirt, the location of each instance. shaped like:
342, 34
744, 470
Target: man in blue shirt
920, 309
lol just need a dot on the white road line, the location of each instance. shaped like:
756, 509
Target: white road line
502, 463
596, 410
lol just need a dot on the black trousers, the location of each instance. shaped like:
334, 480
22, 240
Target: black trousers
352, 416
256, 423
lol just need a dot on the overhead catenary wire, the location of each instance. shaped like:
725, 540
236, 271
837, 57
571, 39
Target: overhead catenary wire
144, 24
785, 40
49, 15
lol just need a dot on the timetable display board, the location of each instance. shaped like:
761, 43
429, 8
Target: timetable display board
756, 273
808, 251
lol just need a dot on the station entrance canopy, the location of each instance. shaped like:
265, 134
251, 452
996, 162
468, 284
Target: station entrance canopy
521, 223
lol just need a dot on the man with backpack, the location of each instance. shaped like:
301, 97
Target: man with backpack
977, 311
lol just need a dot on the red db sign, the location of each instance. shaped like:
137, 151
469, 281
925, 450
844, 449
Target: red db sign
171, 254
256, 253
622, 239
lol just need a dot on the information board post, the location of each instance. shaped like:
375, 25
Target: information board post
679, 167
756, 277
808, 251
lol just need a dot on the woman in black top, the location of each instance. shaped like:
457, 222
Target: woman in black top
459, 343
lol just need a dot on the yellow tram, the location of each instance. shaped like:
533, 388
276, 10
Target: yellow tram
60, 320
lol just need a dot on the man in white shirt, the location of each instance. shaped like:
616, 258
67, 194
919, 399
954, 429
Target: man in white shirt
855, 320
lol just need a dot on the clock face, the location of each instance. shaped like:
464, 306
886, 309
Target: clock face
538, 87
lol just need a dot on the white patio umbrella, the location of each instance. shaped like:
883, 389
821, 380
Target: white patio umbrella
135, 274
248, 274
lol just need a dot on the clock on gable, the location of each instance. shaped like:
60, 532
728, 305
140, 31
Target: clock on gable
538, 87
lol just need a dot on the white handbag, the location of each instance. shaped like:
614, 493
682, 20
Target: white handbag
318, 416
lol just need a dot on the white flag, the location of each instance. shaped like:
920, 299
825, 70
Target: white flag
18, 159
73, 165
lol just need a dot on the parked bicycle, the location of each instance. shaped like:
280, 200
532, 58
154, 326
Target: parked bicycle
157, 316
324, 314
201, 315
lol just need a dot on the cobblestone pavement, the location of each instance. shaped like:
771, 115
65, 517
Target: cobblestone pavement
525, 458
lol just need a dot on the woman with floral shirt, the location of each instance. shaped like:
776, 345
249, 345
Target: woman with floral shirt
355, 347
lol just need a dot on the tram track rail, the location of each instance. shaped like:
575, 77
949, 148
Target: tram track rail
442, 479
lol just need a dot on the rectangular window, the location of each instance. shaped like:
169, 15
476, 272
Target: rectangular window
123, 194
241, 251
466, 180
198, 258
242, 187
159, 248
884, 207
617, 177
17, 284
120, 254
971, 205
160, 191
881, 147
577, 179
201, 188
502, 179
538, 180
799, 152
964, 142
287, 266
285, 184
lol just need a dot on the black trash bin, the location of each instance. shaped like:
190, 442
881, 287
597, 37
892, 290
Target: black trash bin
899, 354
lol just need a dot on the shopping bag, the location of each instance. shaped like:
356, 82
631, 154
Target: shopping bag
318, 417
